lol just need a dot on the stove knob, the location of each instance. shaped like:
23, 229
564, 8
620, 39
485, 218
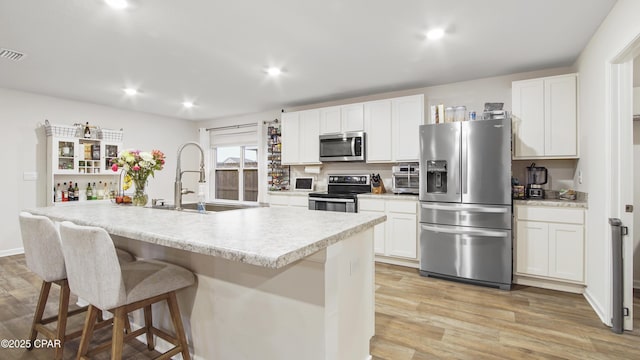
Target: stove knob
363, 179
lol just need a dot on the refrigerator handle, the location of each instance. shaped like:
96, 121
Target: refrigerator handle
459, 231
479, 209
465, 160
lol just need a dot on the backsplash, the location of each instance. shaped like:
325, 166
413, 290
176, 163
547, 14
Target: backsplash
561, 173
355, 168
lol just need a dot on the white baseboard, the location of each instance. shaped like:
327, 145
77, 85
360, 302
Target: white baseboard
11, 252
597, 307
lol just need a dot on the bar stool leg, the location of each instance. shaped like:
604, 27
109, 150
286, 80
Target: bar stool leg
37, 317
87, 331
118, 333
177, 324
63, 309
148, 324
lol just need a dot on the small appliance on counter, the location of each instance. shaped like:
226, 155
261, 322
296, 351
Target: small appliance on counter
405, 179
536, 177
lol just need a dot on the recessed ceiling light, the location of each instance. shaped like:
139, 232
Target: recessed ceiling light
130, 91
188, 104
435, 34
117, 4
274, 71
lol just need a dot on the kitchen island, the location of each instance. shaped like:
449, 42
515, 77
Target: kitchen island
272, 283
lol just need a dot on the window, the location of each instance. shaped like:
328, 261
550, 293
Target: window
236, 173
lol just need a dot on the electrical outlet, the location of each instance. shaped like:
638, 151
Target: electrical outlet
579, 176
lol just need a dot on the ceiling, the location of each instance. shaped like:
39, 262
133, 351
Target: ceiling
215, 53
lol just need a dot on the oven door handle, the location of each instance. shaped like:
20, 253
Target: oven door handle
332, 200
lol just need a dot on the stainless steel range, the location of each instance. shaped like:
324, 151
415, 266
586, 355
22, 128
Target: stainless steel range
342, 193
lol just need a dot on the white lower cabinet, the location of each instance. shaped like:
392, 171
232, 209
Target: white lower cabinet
549, 246
396, 240
288, 199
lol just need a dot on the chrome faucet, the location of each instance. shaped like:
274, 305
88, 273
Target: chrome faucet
178, 191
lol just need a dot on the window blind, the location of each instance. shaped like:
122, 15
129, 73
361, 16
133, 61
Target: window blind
236, 135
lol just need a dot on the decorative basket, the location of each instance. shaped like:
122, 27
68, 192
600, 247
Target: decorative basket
60, 130
110, 135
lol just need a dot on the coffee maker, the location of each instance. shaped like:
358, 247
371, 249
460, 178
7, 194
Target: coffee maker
536, 177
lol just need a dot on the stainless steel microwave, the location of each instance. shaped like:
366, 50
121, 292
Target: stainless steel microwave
348, 146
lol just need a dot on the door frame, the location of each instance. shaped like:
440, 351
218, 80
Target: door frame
620, 160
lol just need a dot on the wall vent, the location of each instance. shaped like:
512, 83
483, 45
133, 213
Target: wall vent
11, 54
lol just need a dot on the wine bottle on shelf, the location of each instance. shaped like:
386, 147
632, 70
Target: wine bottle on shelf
112, 190
70, 192
100, 191
65, 192
105, 191
76, 192
89, 192
94, 195
87, 131
58, 194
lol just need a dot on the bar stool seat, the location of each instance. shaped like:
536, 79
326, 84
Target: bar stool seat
95, 275
43, 254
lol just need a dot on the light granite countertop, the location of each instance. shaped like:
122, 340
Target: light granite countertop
290, 192
389, 195
552, 202
271, 237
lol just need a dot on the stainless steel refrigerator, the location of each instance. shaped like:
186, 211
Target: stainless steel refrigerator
465, 202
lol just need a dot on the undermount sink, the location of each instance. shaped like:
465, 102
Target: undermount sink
208, 207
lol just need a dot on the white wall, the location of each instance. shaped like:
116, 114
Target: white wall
23, 148
636, 205
618, 30
472, 94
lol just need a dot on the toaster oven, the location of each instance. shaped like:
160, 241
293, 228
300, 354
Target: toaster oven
405, 179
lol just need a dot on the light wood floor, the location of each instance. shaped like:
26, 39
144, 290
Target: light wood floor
417, 318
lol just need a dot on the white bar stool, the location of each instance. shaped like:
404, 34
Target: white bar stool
43, 254
96, 275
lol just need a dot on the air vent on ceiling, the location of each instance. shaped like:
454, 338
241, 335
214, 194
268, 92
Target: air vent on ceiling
11, 54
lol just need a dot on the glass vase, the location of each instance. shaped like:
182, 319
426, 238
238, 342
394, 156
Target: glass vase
140, 197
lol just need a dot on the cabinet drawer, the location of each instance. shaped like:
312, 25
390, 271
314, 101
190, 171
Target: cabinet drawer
550, 214
401, 206
282, 200
371, 205
302, 201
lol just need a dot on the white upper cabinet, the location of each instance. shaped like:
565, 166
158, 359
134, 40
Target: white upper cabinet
330, 120
300, 137
377, 124
391, 127
407, 116
352, 117
339, 119
545, 121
